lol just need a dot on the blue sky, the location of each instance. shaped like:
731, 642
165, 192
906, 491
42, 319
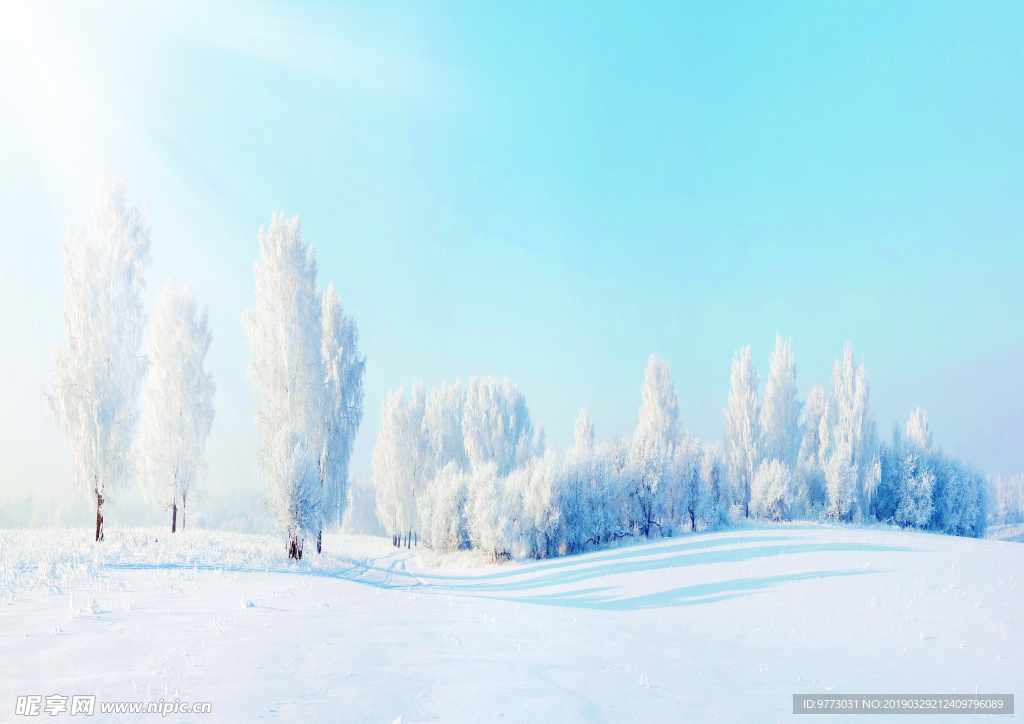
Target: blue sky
546, 191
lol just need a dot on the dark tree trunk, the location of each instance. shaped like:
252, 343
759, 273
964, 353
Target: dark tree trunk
99, 516
294, 547
319, 533
183, 512
174, 518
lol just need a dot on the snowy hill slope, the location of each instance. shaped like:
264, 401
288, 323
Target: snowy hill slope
717, 626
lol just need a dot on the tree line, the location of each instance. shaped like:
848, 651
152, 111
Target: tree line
463, 467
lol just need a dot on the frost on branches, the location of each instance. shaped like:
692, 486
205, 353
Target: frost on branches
98, 376
178, 411
742, 427
464, 469
307, 377
343, 402
467, 470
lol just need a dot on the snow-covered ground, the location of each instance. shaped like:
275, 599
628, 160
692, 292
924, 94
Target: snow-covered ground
722, 626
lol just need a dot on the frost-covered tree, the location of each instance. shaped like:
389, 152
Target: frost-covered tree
307, 377
400, 460
780, 409
284, 336
342, 405
960, 496
917, 429
742, 426
916, 487
178, 411
650, 480
714, 471
1008, 494
851, 427
442, 428
98, 376
810, 496
489, 511
840, 482
923, 488
771, 493
442, 510
496, 425
584, 431
659, 408
695, 498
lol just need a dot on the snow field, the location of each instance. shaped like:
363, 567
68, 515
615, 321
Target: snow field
724, 625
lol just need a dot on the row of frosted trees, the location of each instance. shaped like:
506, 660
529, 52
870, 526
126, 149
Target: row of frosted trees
825, 460
98, 377
464, 467
304, 364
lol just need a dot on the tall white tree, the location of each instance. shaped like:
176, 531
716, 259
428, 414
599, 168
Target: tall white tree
780, 409
653, 480
742, 426
178, 411
840, 482
659, 408
399, 460
810, 493
852, 427
284, 335
917, 429
584, 432
98, 376
342, 408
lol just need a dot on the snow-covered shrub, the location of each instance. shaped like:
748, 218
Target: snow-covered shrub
771, 495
